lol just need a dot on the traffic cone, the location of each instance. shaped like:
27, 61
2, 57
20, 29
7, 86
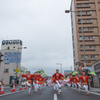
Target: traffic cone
2, 89
13, 89
20, 89
25, 87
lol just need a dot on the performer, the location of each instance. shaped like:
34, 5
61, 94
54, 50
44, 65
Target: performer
56, 77
28, 78
77, 78
84, 82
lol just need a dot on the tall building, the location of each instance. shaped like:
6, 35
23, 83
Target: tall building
7, 70
91, 29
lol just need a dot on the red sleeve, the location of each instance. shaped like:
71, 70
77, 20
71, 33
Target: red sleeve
24, 75
61, 75
88, 77
33, 75
80, 77
53, 75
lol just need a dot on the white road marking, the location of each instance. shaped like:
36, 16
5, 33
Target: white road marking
55, 96
11, 93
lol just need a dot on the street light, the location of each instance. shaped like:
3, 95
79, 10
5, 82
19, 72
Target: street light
18, 52
60, 66
67, 11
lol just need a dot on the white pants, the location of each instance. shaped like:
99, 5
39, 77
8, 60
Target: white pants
68, 84
58, 86
29, 85
86, 87
79, 86
74, 85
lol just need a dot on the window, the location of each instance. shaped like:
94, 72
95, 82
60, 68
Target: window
82, 57
80, 20
14, 47
92, 56
87, 4
89, 28
81, 46
79, 13
88, 20
79, 5
87, 12
81, 38
90, 37
91, 47
6, 70
80, 29
14, 70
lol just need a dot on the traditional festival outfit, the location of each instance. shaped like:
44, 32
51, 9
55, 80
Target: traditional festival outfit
74, 83
56, 77
84, 82
77, 82
28, 78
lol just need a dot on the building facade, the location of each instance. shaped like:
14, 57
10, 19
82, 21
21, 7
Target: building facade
91, 29
96, 69
7, 70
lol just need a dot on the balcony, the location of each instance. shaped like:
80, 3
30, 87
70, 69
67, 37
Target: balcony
90, 43
87, 49
85, 22
87, 40
83, 6
85, 31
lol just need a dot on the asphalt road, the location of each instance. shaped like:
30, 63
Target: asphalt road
49, 94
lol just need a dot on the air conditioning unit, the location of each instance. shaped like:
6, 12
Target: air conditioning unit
93, 36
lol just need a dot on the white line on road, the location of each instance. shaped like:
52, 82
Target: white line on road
55, 97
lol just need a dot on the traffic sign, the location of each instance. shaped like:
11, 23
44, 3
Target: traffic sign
16, 69
12, 57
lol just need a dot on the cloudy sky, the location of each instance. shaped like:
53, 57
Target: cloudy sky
43, 27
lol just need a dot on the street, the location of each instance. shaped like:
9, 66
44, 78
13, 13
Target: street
49, 94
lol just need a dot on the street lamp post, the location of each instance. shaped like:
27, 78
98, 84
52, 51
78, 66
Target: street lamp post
67, 11
17, 63
60, 66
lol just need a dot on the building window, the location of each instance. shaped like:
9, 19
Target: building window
14, 47
79, 13
87, 4
88, 12
92, 56
6, 70
89, 28
14, 70
91, 47
79, 5
79, 20
81, 46
80, 29
90, 37
81, 38
82, 57
88, 20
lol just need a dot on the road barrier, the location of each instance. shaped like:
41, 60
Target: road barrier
13, 89
20, 89
2, 89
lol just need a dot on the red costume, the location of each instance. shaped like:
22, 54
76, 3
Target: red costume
84, 79
28, 77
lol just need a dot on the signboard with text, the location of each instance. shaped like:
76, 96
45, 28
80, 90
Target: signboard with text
12, 57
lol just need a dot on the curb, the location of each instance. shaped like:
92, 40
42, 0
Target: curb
12, 93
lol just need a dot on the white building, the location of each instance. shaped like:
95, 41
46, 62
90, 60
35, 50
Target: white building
7, 70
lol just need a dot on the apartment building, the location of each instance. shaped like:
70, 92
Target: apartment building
90, 11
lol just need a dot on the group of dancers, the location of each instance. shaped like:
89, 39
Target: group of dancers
76, 81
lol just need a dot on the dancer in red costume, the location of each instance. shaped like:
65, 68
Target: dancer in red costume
84, 82
28, 78
55, 78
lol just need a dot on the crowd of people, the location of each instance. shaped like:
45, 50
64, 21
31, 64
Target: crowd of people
76, 81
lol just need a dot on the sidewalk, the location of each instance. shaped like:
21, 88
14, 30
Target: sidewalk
97, 90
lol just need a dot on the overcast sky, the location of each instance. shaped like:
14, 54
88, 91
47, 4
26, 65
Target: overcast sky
45, 30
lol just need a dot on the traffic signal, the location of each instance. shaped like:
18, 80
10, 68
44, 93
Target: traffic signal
1, 57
